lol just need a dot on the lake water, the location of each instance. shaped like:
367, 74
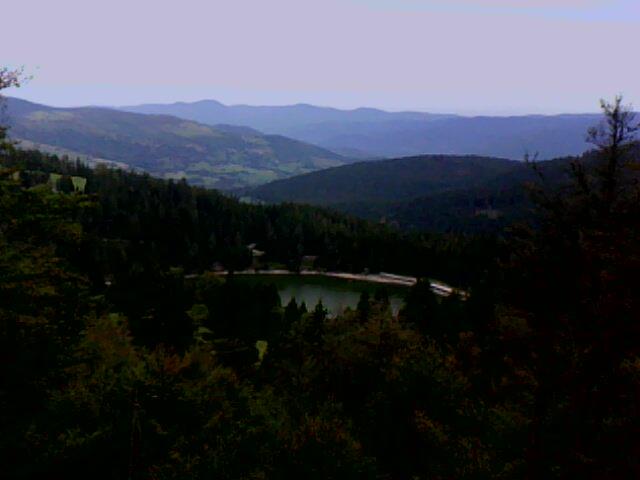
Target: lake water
336, 293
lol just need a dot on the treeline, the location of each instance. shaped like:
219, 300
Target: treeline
137, 219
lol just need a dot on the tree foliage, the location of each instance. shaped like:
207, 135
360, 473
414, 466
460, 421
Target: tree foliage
126, 356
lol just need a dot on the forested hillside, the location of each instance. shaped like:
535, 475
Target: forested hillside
165, 223
428, 193
386, 180
224, 158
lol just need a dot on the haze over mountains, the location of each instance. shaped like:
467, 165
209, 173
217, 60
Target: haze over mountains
242, 147
222, 156
367, 133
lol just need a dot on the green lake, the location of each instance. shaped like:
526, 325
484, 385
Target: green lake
336, 293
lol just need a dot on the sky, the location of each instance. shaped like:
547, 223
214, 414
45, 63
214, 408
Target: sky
456, 56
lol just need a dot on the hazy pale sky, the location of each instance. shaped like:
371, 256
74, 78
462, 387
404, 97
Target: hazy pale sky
463, 56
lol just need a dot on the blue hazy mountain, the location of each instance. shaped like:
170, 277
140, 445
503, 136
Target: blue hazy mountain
366, 132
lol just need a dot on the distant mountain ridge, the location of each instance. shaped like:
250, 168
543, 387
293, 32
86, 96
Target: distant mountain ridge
367, 132
223, 156
273, 119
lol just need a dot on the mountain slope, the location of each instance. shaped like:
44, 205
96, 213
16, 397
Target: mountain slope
385, 180
169, 147
428, 193
375, 133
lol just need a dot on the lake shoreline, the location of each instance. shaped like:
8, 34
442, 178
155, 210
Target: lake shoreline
381, 278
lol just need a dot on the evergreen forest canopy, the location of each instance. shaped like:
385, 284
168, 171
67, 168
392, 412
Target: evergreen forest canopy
125, 357
426, 193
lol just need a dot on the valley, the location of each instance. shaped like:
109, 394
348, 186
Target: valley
320, 240
224, 157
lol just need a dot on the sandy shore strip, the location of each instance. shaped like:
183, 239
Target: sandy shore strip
382, 278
